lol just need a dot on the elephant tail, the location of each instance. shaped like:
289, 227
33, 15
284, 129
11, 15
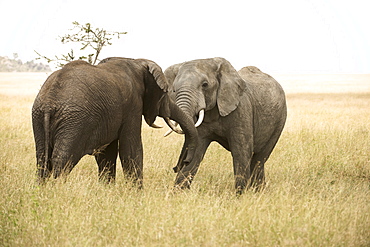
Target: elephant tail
47, 135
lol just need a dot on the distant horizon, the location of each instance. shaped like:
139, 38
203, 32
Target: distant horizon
29, 83
277, 72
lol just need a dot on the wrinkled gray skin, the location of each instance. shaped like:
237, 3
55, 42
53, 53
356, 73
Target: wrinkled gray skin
245, 112
97, 110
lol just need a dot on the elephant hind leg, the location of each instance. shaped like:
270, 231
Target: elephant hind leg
258, 162
44, 169
65, 157
63, 164
107, 162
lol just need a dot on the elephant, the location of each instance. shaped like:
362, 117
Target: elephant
243, 111
97, 110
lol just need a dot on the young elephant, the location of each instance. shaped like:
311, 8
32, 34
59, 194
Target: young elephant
244, 112
97, 110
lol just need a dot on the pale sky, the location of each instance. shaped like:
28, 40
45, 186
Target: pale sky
284, 36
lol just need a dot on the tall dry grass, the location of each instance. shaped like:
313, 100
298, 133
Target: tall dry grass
317, 194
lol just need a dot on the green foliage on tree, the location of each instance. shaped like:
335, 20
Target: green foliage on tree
92, 40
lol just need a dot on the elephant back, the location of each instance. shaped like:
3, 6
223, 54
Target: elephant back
260, 81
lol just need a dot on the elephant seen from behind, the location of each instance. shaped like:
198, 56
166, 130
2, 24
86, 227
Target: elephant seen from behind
84, 109
245, 112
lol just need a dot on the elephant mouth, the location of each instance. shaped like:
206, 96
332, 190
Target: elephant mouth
175, 126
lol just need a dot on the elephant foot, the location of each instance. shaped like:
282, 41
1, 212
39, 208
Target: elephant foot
107, 179
258, 185
183, 182
255, 186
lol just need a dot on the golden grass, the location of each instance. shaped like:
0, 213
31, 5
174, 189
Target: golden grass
318, 187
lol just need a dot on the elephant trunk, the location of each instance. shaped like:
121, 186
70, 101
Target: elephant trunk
187, 125
194, 109
187, 100
192, 102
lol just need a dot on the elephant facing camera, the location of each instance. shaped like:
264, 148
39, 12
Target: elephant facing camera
243, 111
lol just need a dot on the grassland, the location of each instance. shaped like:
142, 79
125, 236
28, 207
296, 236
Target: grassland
318, 183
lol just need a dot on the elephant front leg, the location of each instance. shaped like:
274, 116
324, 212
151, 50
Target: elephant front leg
242, 151
185, 176
131, 154
258, 172
107, 162
242, 175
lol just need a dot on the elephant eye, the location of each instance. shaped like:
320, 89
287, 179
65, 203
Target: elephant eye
205, 84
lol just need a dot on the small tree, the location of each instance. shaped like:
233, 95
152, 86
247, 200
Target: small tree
94, 39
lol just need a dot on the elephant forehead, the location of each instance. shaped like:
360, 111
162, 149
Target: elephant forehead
186, 76
190, 73
204, 65
187, 82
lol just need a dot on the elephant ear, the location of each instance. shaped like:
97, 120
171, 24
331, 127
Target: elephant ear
155, 88
231, 87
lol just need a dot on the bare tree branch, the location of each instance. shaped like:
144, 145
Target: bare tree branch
89, 38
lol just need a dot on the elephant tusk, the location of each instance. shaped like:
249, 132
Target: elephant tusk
178, 130
200, 119
168, 133
173, 126
153, 125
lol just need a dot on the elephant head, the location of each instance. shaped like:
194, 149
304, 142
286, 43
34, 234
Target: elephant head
158, 103
205, 84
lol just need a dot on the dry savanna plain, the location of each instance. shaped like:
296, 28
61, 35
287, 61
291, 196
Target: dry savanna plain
317, 193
